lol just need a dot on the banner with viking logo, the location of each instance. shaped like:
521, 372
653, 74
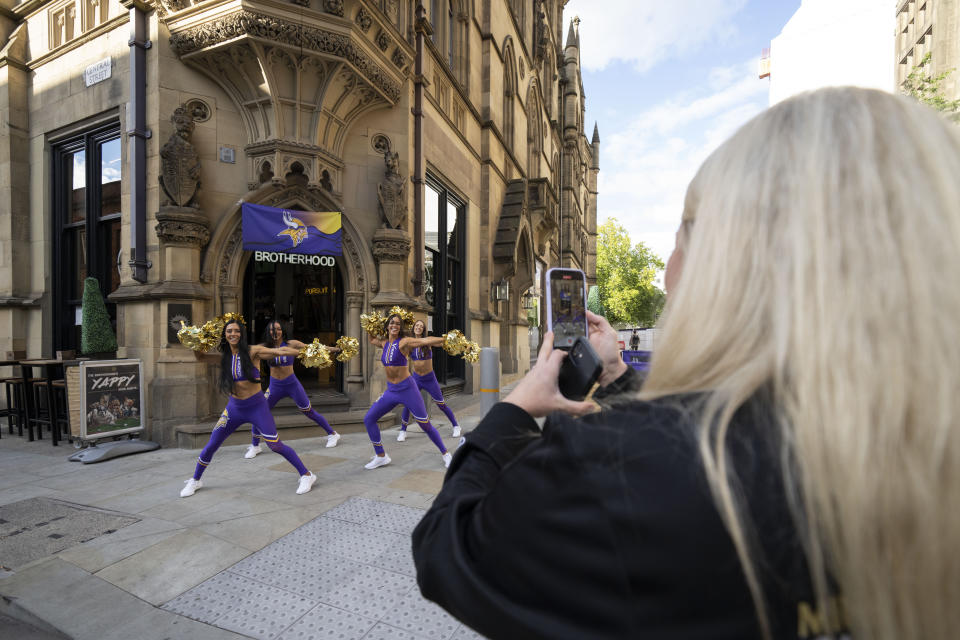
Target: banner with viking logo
290, 231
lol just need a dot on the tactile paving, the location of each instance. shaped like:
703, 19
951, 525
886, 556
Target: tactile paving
345, 575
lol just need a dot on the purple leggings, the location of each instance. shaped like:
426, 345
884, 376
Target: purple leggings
254, 410
291, 388
428, 382
406, 393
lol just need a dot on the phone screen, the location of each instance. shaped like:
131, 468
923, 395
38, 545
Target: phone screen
568, 307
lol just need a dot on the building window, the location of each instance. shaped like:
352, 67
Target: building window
509, 90
444, 215
87, 171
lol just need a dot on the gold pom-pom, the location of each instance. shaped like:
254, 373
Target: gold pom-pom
229, 317
374, 324
454, 342
189, 336
472, 353
349, 347
406, 317
315, 355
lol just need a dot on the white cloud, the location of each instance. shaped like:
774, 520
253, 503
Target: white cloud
654, 32
645, 167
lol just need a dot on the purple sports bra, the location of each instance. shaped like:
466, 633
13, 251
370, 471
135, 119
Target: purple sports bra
392, 356
236, 368
422, 353
282, 361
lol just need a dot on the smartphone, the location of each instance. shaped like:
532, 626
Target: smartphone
580, 370
566, 306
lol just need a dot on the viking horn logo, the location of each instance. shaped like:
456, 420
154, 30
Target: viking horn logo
297, 231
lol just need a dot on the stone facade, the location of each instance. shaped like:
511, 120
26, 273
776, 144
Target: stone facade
929, 26
311, 105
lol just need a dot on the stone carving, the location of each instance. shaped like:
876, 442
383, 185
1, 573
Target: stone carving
399, 59
354, 299
364, 20
391, 193
250, 24
182, 228
383, 40
179, 163
333, 6
394, 249
381, 143
228, 254
198, 110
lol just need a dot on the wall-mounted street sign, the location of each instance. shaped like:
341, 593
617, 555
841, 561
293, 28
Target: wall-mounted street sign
97, 72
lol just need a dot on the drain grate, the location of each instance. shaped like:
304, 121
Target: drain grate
39, 527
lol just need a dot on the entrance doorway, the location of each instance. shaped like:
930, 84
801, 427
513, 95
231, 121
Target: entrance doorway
307, 300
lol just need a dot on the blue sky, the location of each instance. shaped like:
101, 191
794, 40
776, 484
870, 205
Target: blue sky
667, 83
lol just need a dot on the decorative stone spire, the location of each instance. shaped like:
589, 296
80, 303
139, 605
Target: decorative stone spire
596, 134
573, 36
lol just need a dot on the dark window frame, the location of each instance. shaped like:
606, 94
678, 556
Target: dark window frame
65, 332
448, 314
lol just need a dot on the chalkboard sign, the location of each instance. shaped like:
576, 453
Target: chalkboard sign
111, 398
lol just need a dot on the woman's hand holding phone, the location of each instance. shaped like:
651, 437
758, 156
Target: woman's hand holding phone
538, 393
604, 340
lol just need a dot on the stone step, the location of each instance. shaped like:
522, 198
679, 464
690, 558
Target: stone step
291, 425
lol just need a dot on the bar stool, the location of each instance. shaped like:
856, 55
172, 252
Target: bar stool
60, 417
13, 388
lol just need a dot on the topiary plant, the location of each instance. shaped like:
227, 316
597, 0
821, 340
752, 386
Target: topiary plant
96, 334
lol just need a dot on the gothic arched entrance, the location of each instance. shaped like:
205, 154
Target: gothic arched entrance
320, 300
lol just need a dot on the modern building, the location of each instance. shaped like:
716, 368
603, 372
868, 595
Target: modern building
450, 134
831, 43
929, 26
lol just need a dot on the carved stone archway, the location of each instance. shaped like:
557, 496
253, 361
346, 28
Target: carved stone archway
225, 262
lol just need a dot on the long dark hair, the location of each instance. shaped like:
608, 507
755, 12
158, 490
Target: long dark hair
246, 363
421, 351
267, 339
389, 318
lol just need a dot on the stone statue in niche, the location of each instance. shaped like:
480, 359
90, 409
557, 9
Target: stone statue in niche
179, 163
392, 193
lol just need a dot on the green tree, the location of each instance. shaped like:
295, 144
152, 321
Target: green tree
625, 275
96, 334
927, 88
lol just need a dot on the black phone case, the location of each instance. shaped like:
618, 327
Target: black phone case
580, 370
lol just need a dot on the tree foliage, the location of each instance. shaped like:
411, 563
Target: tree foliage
927, 88
96, 333
625, 275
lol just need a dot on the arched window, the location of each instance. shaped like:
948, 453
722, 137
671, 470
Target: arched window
534, 133
509, 92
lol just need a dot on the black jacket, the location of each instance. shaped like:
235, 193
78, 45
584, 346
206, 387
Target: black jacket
604, 527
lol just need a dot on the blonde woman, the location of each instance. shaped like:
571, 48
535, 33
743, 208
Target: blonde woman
790, 468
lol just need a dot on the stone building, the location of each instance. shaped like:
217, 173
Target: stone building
450, 134
929, 26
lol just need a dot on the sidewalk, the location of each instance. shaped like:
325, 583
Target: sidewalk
244, 557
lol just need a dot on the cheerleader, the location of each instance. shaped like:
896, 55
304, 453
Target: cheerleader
401, 389
422, 363
284, 384
240, 378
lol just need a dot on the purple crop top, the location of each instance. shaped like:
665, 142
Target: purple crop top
237, 370
392, 356
282, 361
422, 353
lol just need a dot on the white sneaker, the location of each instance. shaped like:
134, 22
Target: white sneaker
401, 436
456, 431
447, 457
378, 461
333, 439
252, 452
190, 488
305, 483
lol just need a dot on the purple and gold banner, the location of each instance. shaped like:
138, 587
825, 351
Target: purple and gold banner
289, 231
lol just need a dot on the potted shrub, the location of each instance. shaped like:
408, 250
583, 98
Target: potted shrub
97, 339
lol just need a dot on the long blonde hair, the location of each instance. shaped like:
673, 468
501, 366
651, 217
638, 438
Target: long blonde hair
821, 261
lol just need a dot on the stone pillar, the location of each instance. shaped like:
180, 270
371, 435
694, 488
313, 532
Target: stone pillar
354, 300
391, 247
